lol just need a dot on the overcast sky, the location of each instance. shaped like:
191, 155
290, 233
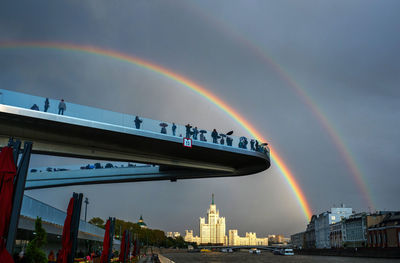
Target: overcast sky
343, 54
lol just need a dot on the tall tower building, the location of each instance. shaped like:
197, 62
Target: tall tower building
212, 232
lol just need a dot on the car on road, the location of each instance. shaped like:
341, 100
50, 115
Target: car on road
287, 252
254, 251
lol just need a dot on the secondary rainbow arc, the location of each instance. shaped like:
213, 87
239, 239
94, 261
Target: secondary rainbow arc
282, 166
304, 96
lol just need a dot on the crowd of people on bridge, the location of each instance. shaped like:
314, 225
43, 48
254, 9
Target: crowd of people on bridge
194, 133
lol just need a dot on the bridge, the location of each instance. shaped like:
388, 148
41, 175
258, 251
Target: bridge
91, 133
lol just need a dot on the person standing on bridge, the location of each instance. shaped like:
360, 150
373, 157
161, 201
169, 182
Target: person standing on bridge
214, 135
188, 130
138, 122
62, 107
173, 128
195, 133
46, 104
252, 144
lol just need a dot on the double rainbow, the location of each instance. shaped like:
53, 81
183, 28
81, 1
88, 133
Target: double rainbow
283, 168
224, 28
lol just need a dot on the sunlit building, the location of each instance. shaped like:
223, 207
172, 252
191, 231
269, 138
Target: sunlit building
190, 238
173, 234
250, 239
212, 231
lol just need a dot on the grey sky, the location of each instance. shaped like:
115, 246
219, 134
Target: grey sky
343, 54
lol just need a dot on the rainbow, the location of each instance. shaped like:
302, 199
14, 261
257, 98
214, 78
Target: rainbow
283, 168
302, 94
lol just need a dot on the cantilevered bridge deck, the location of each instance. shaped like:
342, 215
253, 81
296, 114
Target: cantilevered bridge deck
86, 132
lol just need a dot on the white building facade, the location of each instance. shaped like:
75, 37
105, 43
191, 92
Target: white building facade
249, 240
212, 231
323, 222
173, 234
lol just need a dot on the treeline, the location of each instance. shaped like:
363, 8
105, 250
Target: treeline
147, 236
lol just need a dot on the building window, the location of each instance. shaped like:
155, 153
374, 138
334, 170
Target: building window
333, 218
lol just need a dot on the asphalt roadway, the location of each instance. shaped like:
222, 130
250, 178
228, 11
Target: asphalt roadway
243, 256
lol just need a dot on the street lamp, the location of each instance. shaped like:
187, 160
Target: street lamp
86, 203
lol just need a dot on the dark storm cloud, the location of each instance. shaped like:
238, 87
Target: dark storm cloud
343, 54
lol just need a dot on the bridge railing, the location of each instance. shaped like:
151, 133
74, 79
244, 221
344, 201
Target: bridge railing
26, 101
33, 208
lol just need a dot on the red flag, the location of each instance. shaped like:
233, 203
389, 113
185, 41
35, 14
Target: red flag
128, 247
5, 257
136, 248
122, 249
106, 244
7, 175
66, 235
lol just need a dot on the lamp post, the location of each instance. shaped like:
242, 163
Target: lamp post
86, 203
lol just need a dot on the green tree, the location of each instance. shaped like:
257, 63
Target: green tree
34, 254
97, 221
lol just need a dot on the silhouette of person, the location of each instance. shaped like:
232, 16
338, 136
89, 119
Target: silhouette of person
163, 130
222, 141
229, 141
252, 144
202, 137
188, 132
138, 122
35, 107
245, 142
46, 104
257, 146
173, 128
195, 133
62, 107
214, 135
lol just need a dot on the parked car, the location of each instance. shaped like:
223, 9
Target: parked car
287, 252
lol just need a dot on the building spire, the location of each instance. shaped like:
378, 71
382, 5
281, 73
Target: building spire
212, 202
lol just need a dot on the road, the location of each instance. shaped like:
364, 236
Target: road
218, 257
